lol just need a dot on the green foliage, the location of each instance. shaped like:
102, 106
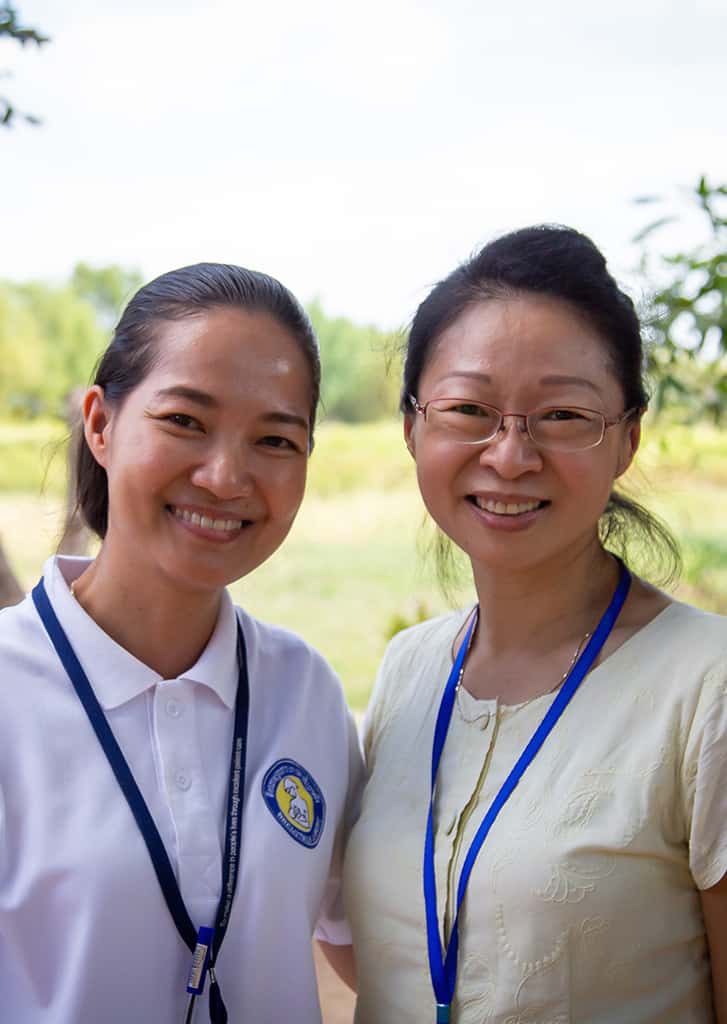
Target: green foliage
32, 457
107, 289
360, 378
10, 26
20, 355
688, 360
401, 620
370, 457
50, 339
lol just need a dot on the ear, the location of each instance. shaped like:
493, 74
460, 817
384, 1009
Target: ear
409, 421
96, 423
629, 445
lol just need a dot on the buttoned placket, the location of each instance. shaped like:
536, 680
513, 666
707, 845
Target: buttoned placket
198, 855
462, 777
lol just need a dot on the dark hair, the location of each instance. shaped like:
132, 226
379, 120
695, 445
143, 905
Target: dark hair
182, 293
563, 264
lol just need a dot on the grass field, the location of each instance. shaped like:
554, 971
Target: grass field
350, 570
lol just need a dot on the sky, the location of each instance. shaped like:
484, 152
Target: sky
356, 152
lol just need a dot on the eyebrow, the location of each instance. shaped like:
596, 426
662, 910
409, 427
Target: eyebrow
208, 401
552, 380
559, 378
191, 394
482, 378
286, 417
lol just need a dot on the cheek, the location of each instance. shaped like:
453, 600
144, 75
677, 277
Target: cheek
287, 490
590, 480
144, 469
437, 470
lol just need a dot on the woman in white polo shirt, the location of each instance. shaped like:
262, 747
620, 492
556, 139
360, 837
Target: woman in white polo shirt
175, 776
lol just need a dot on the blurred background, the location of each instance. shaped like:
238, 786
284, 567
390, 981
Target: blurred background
357, 153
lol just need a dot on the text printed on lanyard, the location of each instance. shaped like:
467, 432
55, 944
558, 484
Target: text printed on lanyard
205, 944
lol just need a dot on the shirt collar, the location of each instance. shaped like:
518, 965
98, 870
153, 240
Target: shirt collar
115, 674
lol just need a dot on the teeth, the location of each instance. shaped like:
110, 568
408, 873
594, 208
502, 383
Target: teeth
206, 522
502, 508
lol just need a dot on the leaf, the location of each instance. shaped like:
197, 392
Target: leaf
654, 226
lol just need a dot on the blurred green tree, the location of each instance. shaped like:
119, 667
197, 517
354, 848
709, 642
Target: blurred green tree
50, 338
360, 368
108, 289
688, 358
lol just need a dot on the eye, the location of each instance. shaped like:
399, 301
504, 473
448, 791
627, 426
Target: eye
279, 443
465, 409
181, 419
564, 415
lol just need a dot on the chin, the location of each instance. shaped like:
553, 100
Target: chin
509, 556
196, 577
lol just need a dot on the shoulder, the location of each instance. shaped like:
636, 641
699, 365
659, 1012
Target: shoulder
419, 642
267, 641
672, 624
414, 666
677, 666
20, 630
685, 636
679, 658
280, 658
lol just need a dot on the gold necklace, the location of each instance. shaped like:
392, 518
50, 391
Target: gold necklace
584, 640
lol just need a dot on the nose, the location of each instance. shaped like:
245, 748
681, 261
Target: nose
511, 451
225, 472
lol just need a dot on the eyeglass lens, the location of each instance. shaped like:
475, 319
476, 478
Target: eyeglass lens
564, 428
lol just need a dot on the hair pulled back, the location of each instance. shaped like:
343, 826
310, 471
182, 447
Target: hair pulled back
131, 354
563, 264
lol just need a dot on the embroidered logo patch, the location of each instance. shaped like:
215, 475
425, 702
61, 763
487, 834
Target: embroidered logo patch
294, 799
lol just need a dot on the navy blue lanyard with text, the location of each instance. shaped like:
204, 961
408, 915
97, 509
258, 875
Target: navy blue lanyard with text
443, 968
205, 944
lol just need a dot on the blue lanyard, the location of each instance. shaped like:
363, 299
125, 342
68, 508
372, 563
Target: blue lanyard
205, 944
443, 968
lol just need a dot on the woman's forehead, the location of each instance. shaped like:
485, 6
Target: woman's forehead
229, 362
523, 336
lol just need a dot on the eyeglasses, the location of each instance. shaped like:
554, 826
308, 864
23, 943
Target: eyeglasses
558, 428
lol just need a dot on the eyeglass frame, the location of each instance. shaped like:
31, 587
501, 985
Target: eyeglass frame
525, 416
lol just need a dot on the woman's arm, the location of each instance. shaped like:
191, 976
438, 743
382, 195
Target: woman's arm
714, 908
342, 961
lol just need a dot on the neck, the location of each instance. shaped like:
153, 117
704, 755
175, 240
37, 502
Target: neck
164, 627
546, 605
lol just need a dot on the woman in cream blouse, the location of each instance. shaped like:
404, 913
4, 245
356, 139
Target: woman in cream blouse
598, 894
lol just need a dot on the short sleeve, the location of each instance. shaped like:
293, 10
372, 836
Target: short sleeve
332, 925
704, 782
376, 713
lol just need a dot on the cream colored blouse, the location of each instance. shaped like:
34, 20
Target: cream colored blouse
583, 904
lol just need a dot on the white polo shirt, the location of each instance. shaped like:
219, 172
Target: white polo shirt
85, 934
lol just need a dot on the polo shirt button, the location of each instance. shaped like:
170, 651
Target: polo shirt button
174, 708
183, 781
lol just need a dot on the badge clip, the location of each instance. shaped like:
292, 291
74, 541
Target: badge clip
200, 962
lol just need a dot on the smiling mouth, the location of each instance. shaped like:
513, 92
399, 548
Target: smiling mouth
207, 522
509, 508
